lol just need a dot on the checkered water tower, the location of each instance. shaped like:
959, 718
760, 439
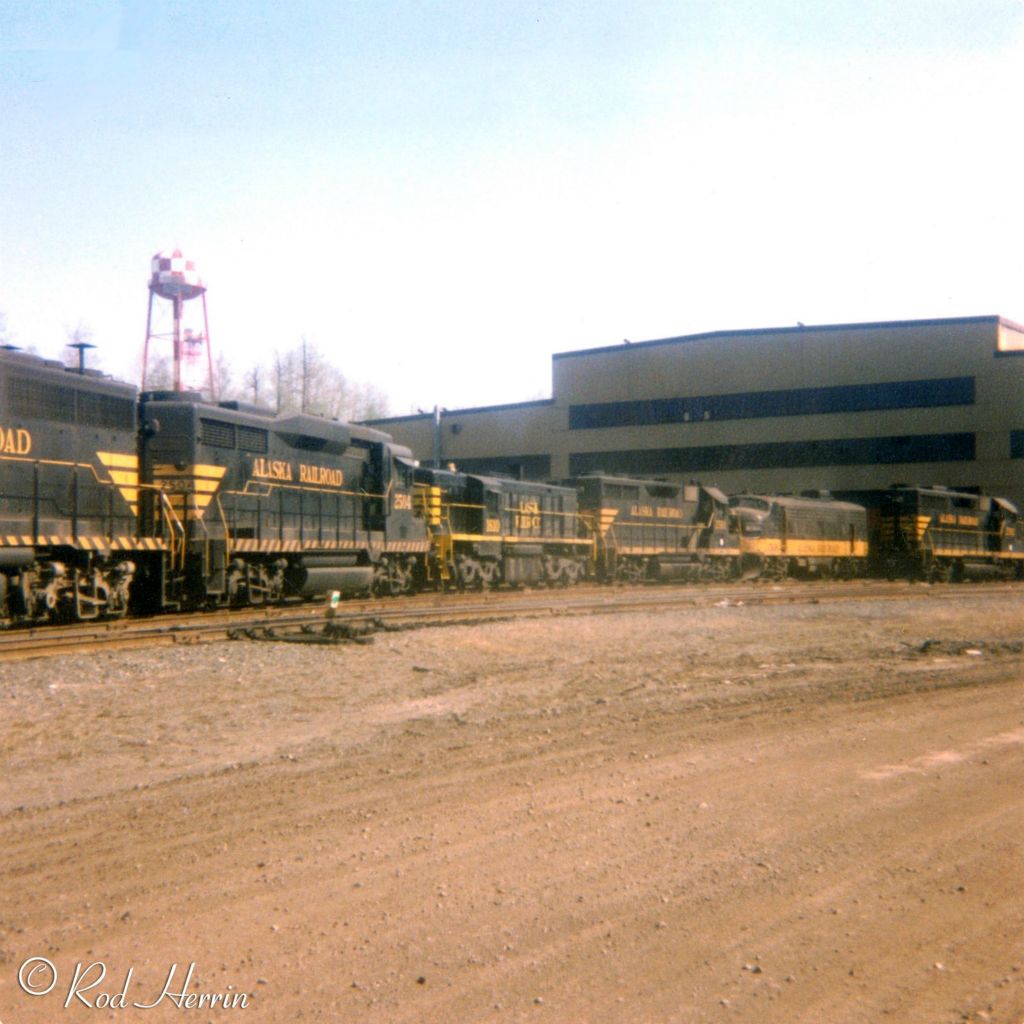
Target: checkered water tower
175, 279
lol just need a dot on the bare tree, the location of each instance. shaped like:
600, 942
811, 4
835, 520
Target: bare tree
371, 404
305, 359
286, 398
161, 374
304, 380
253, 380
222, 385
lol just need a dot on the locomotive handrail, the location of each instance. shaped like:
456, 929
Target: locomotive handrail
272, 485
224, 523
67, 464
177, 547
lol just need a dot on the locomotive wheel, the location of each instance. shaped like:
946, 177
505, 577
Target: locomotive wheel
390, 579
719, 569
248, 585
629, 571
470, 574
940, 571
753, 567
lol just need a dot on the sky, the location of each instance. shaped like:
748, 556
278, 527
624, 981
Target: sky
440, 195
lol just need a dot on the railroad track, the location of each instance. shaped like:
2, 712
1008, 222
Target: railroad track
425, 610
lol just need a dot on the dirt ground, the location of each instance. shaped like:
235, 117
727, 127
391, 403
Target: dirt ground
768, 814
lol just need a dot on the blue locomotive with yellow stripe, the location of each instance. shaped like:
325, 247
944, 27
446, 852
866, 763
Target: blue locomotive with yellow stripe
657, 529
808, 535
70, 542
487, 531
941, 534
257, 508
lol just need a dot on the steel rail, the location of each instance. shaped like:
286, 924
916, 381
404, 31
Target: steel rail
464, 608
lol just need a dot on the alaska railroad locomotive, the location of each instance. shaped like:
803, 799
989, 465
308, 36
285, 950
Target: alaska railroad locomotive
936, 533
113, 501
653, 529
808, 534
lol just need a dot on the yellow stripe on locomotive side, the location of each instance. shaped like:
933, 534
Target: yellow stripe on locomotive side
481, 538
796, 548
952, 551
119, 460
247, 544
626, 549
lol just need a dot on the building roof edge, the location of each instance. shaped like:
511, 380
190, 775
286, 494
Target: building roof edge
449, 413
749, 332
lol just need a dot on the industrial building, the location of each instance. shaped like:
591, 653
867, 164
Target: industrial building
835, 406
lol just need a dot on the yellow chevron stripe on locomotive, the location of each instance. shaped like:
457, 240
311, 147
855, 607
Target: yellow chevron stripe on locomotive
124, 474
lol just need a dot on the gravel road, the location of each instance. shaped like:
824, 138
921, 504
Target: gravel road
806, 813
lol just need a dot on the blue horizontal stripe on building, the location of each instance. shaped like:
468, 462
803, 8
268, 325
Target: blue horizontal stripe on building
905, 394
852, 451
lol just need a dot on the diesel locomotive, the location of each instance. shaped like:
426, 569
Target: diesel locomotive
489, 530
256, 508
653, 529
659, 530
939, 534
114, 501
807, 535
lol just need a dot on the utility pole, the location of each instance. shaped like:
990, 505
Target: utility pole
437, 436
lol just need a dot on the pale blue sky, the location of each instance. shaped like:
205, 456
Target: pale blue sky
440, 195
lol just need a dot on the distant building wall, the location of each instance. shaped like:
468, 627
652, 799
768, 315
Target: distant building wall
836, 406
